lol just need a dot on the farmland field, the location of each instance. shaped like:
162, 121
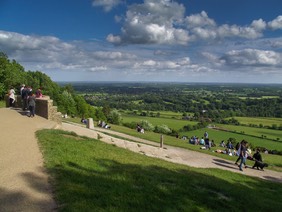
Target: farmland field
259, 120
258, 132
175, 124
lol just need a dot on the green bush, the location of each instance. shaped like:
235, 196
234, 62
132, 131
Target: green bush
146, 125
162, 129
114, 117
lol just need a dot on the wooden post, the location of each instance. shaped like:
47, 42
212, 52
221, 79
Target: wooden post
162, 141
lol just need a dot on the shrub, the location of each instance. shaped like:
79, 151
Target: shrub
162, 129
146, 125
131, 125
114, 117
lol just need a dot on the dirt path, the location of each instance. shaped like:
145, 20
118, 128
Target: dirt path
23, 181
169, 153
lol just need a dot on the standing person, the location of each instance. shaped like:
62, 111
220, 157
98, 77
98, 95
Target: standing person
207, 143
12, 98
24, 93
206, 135
243, 155
21, 89
31, 104
238, 149
38, 93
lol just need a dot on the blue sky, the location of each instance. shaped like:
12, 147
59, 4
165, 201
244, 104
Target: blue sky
146, 40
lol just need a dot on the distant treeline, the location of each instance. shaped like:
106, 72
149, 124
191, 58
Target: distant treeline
212, 101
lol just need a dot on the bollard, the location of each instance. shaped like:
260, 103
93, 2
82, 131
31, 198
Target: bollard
162, 141
90, 124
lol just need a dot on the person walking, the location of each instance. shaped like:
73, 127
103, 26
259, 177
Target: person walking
258, 159
243, 155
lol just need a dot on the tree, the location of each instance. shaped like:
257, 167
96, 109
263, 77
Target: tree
67, 103
81, 106
114, 117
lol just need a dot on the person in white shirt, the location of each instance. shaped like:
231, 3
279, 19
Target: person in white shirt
12, 98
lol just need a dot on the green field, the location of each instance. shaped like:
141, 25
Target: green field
163, 114
257, 121
253, 131
89, 175
175, 124
263, 97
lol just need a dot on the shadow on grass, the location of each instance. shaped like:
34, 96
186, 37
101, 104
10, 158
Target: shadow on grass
90, 175
130, 187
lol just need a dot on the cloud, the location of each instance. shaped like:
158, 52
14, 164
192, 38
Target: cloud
152, 23
253, 57
108, 5
199, 20
276, 23
163, 22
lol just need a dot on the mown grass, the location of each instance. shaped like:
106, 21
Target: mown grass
261, 120
258, 132
89, 175
175, 124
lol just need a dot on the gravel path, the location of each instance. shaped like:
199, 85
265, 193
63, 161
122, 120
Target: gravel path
24, 182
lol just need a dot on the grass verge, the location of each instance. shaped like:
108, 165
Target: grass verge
89, 175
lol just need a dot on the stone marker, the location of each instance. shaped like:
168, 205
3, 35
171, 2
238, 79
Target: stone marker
90, 123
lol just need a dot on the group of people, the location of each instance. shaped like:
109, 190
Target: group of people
204, 141
140, 129
243, 155
103, 124
28, 98
241, 150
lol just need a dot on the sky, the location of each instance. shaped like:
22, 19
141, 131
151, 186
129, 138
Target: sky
226, 41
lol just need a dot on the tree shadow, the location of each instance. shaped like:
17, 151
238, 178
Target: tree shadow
16, 199
115, 186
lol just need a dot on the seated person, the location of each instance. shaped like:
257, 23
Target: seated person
229, 145
202, 141
222, 144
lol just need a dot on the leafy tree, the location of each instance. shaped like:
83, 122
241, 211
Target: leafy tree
67, 103
114, 117
81, 106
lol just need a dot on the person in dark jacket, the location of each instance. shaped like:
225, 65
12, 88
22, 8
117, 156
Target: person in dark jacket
258, 161
31, 104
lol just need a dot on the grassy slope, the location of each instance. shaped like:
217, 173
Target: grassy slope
275, 161
89, 175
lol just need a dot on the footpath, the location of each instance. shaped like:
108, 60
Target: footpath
24, 182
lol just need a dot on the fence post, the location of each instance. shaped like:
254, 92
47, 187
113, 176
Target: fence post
162, 141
